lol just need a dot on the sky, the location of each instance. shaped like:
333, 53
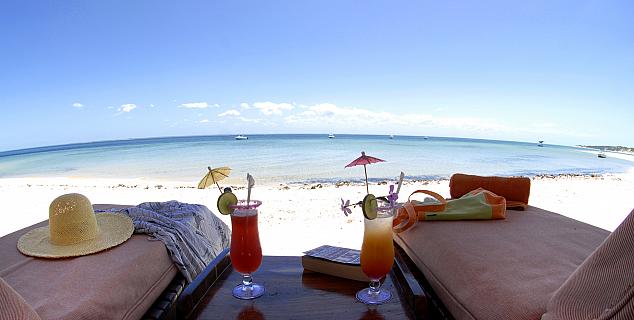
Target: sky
79, 71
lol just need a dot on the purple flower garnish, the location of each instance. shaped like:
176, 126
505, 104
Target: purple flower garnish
344, 207
392, 197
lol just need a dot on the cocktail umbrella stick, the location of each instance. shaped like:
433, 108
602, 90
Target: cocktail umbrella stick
215, 181
367, 189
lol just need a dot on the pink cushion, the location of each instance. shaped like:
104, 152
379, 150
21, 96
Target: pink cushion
119, 283
500, 269
603, 286
13, 306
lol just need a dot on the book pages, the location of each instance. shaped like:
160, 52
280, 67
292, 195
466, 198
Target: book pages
336, 254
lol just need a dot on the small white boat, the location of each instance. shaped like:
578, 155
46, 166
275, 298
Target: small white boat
331, 136
601, 155
425, 137
241, 137
391, 136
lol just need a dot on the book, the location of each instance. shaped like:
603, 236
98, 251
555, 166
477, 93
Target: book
335, 261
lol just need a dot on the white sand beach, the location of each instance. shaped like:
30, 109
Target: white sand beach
295, 218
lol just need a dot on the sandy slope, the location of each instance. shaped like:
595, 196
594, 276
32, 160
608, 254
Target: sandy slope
296, 218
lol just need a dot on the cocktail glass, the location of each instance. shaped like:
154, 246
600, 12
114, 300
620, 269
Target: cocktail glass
246, 252
377, 254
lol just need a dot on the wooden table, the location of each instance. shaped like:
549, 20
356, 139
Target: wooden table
292, 293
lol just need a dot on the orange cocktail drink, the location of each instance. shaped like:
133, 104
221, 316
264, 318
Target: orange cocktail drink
246, 252
377, 255
377, 251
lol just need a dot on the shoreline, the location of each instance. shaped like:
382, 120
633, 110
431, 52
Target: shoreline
623, 155
142, 183
309, 214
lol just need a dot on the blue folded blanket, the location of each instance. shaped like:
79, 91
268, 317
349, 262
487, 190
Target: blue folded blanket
193, 235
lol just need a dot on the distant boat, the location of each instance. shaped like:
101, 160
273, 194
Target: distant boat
601, 155
391, 136
541, 143
425, 137
331, 136
241, 137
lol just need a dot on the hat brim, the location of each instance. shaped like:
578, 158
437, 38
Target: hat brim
114, 230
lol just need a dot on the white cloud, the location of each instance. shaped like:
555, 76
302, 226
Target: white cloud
544, 125
271, 108
550, 128
204, 121
194, 105
151, 105
245, 105
249, 120
78, 105
230, 112
216, 105
127, 107
331, 115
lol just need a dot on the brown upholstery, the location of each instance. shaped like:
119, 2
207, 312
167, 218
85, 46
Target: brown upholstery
515, 190
119, 283
603, 286
13, 306
500, 269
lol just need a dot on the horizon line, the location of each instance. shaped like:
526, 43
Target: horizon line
79, 145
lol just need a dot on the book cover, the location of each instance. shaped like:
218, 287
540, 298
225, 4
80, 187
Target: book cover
335, 261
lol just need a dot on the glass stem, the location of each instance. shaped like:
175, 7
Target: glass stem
247, 281
375, 287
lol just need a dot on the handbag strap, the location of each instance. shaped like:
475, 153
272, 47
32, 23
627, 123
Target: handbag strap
409, 214
422, 208
404, 219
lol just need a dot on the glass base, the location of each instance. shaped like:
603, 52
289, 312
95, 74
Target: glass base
368, 296
248, 292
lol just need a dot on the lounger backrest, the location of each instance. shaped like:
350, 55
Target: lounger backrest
515, 190
603, 285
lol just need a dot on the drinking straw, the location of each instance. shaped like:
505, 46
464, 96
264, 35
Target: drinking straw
400, 182
250, 184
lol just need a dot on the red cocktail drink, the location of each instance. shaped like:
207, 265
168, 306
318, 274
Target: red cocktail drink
246, 253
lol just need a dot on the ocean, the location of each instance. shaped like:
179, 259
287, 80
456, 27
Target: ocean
302, 158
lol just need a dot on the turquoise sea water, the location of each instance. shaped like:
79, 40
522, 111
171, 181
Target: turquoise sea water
301, 158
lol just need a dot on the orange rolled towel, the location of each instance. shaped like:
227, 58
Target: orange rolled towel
514, 189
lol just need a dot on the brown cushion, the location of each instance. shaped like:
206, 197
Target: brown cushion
603, 286
515, 190
13, 306
119, 283
500, 269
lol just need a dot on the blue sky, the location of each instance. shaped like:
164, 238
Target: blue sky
76, 71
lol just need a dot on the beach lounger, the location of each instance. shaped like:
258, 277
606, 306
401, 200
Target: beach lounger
513, 268
502, 269
135, 280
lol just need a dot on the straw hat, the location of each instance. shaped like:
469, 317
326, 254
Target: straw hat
75, 230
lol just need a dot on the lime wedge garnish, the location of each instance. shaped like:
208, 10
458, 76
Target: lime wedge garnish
369, 207
226, 200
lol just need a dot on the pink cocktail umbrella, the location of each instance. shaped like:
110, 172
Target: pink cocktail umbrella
364, 160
